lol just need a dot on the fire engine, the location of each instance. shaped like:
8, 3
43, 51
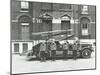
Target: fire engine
84, 50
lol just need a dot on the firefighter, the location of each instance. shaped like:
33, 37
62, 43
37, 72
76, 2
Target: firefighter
75, 48
65, 48
42, 51
75, 51
53, 48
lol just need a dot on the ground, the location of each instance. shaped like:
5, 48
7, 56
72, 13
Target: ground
20, 64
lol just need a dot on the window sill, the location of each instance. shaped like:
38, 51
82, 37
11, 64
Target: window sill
24, 11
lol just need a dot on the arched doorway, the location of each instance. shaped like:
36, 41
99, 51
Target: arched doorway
65, 22
84, 24
25, 27
25, 31
46, 22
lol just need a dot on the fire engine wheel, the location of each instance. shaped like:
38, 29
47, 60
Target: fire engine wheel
86, 53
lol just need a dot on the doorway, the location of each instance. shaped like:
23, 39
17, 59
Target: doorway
25, 47
65, 25
16, 48
47, 25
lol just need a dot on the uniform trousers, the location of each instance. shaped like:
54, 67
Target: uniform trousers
42, 55
53, 54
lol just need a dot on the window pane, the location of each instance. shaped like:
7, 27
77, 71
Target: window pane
84, 31
24, 5
84, 9
84, 26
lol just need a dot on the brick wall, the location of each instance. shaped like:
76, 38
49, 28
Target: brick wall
37, 8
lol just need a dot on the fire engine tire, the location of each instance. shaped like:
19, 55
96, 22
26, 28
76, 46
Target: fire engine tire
86, 53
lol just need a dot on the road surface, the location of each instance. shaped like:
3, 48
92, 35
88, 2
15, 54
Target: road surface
20, 64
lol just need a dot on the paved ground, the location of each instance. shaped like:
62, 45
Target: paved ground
20, 64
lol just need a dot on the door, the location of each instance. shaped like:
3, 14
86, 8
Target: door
25, 33
65, 25
47, 25
16, 48
25, 47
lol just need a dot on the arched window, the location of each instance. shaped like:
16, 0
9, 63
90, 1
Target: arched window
84, 22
